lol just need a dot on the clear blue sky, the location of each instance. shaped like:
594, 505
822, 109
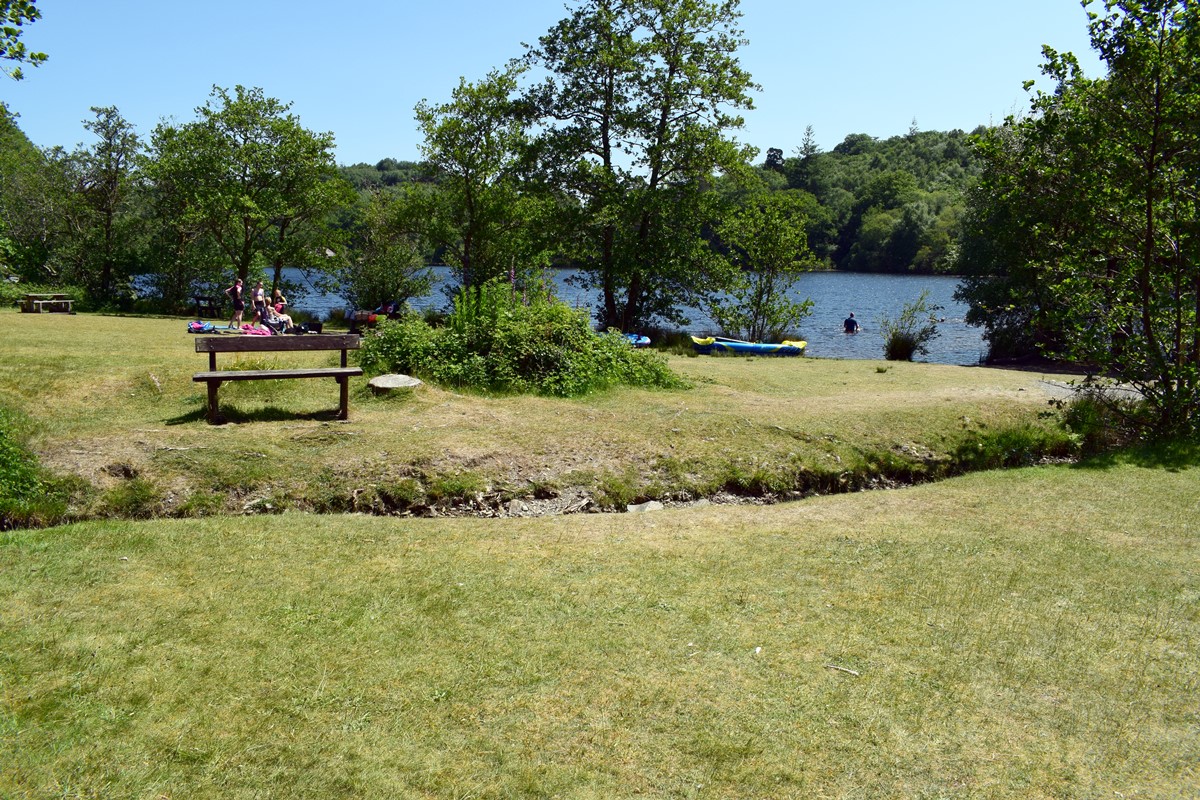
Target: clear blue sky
357, 69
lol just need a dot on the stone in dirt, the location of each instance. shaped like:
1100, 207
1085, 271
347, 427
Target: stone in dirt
385, 384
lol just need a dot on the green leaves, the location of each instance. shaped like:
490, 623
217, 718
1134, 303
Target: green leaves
248, 175
1089, 207
15, 14
635, 116
768, 248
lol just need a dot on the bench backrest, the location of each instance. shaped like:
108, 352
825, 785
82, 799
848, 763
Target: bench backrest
272, 344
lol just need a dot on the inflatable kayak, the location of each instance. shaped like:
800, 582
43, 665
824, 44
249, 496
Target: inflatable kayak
638, 340
716, 344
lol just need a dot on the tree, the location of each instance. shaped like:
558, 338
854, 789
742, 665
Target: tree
1101, 182
248, 175
35, 202
480, 215
636, 110
14, 15
774, 159
768, 248
384, 262
106, 180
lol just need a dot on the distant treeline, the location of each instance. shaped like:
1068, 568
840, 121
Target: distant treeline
877, 205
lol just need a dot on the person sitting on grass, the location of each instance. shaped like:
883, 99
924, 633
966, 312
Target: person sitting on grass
276, 317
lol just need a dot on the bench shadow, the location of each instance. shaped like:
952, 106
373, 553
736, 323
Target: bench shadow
232, 415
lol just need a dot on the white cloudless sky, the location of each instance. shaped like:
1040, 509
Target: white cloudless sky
356, 69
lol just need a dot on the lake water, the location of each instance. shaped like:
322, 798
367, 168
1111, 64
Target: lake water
834, 296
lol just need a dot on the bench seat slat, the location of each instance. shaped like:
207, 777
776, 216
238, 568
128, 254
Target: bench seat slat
272, 374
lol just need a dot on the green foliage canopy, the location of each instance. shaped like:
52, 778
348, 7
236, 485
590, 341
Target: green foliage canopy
1088, 209
248, 175
768, 246
636, 112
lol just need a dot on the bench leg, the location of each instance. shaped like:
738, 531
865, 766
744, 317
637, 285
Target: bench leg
214, 418
344, 390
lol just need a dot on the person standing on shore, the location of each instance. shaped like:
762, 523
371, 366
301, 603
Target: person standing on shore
259, 298
239, 303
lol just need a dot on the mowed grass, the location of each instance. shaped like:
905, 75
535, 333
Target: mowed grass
1026, 634
113, 397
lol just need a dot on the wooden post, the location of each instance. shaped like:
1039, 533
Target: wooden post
344, 384
213, 416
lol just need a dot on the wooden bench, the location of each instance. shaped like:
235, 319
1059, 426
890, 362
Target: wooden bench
275, 344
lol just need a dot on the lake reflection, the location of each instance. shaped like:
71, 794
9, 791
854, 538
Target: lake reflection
834, 296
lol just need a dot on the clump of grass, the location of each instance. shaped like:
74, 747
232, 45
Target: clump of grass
29, 496
1010, 447
135, 498
616, 490
400, 494
456, 487
202, 504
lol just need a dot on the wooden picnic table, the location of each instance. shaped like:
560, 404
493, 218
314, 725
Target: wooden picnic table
208, 306
54, 303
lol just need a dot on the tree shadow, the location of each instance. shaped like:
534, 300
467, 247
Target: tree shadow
1171, 456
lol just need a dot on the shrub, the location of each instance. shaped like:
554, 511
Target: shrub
911, 332
1012, 447
494, 342
28, 496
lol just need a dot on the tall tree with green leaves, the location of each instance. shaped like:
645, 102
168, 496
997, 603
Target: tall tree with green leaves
1099, 186
768, 247
15, 15
484, 220
640, 98
384, 261
39, 208
247, 174
106, 179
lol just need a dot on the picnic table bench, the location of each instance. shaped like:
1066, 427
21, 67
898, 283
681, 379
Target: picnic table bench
274, 344
208, 306
37, 303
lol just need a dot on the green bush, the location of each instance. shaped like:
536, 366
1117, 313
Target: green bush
1012, 447
19, 473
494, 342
28, 496
911, 332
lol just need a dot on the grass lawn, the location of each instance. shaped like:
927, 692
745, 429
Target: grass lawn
112, 399
1032, 633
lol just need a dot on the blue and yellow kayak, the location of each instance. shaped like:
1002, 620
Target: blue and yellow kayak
717, 344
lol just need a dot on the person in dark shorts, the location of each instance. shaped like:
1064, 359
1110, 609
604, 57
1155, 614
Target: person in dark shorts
239, 303
259, 298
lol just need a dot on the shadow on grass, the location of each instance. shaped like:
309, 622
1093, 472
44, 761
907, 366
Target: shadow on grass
1172, 456
231, 414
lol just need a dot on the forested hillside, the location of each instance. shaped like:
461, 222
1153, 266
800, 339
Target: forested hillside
889, 205
877, 205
